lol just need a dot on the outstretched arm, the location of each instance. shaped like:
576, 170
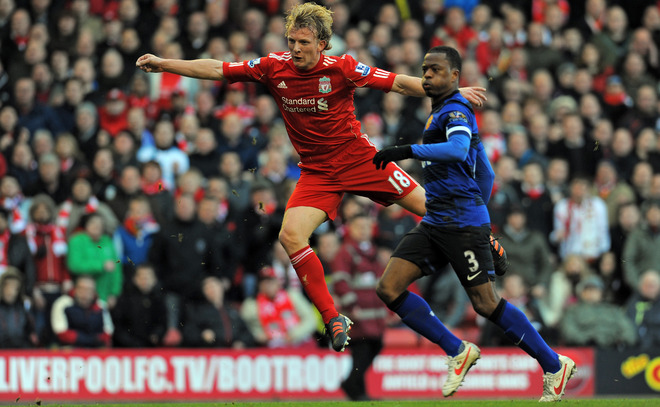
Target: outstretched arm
412, 86
197, 68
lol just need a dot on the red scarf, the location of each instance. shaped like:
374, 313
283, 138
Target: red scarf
153, 188
59, 245
277, 316
139, 227
16, 221
4, 249
65, 212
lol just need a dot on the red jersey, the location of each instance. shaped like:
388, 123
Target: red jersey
316, 104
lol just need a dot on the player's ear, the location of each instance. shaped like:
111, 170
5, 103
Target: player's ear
322, 45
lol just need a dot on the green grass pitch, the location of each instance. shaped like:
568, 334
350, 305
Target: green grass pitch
609, 402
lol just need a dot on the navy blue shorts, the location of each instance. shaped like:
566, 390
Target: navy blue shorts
467, 249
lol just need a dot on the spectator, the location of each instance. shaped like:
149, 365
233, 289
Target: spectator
103, 177
503, 195
140, 316
356, 270
224, 251
582, 324
180, 255
231, 168
279, 318
527, 251
15, 252
612, 41
206, 155
258, 233
86, 129
80, 319
18, 330
135, 235
234, 139
580, 223
172, 160
562, 289
644, 112
159, 196
92, 252
613, 191
48, 247
16, 204
643, 309
50, 180
69, 155
214, 323
113, 115
641, 250
32, 114
83, 202
22, 165
535, 199
124, 148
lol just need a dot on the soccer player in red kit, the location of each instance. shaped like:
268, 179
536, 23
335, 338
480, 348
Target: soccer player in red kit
315, 95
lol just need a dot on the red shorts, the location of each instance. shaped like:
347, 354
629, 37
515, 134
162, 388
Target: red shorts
324, 180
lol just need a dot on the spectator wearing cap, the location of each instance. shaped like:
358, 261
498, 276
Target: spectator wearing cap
113, 115
279, 318
641, 251
643, 308
582, 324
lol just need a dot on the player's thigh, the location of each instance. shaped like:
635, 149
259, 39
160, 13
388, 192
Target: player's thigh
418, 247
316, 189
468, 251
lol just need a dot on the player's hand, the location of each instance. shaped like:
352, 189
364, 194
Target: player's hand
392, 153
150, 63
475, 95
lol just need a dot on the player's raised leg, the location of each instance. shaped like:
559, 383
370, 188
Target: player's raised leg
298, 224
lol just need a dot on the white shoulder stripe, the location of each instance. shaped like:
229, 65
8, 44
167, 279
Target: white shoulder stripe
459, 128
234, 64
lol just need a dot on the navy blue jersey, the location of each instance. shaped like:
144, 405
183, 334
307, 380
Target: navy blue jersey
449, 154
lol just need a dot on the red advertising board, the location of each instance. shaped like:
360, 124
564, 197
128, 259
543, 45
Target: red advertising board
123, 375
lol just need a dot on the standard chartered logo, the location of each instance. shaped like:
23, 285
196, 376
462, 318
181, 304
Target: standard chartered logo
305, 105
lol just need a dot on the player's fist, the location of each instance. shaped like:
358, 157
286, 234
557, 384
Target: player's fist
149, 63
392, 153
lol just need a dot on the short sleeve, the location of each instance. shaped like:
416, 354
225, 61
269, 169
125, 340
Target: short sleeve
254, 70
363, 75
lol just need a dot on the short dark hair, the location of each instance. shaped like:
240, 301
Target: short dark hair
454, 58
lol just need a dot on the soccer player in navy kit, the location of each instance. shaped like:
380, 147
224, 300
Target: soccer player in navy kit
456, 229
315, 92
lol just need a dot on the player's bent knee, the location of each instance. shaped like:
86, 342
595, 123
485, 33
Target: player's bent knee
386, 291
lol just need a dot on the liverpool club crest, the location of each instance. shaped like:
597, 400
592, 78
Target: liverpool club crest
324, 85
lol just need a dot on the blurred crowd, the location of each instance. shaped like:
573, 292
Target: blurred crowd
141, 210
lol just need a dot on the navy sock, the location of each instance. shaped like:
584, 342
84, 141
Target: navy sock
517, 327
416, 313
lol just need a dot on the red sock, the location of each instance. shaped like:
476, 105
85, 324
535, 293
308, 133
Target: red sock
310, 272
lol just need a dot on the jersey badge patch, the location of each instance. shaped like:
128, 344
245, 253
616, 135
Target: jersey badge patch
457, 116
428, 122
254, 62
324, 85
362, 69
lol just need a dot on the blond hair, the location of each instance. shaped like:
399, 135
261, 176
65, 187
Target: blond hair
313, 16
